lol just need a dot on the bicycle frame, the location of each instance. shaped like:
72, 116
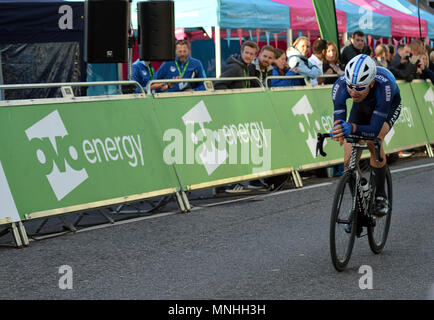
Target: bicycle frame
365, 203
359, 197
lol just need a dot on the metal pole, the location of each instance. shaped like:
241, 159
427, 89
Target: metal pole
288, 38
130, 42
1, 79
418, 14
218, 52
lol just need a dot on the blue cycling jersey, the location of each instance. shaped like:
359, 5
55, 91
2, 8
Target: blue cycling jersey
142, 73
380, 98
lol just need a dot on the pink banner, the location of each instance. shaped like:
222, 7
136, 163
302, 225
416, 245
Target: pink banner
402, 25
179, 33
302, 15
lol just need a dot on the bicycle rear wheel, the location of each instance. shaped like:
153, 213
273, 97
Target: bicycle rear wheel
342, 239
377, 235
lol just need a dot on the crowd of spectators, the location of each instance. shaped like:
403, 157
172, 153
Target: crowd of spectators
406, 62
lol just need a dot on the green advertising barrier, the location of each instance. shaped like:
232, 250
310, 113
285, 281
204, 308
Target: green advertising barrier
302, 113
66, 157
424, 95
216, 139
408, 131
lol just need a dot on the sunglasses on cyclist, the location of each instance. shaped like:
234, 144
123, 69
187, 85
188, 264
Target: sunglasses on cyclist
357, 88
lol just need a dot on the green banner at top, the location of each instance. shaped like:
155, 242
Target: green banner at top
326, 16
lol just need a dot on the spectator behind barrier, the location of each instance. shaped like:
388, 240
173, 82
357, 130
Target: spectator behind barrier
381, 52
417, 50
297, 58
431, 56
332, 65
261, 67
354, 49
403, 66
428, 49
417, 47
238, 66
184, 67
317, 58
391, 54
423, 70
281, 68
143, 72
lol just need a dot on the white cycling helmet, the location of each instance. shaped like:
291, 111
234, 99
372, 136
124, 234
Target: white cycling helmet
360, 71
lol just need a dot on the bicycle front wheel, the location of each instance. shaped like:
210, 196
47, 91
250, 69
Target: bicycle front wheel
343, 222
377, 234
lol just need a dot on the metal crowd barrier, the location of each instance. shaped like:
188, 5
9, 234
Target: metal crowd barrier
297, 77
65, 87
209, 86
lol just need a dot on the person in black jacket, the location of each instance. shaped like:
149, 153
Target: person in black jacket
404, 65
431, 60
391, 54
423, 70
237, 65
262, 67
354, 49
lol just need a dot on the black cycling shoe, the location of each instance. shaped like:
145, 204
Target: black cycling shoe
381, 206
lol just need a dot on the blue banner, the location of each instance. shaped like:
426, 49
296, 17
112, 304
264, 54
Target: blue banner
364, 20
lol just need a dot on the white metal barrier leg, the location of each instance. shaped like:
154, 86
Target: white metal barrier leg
23, 234
429, 150
180, 202
16, 235
186, 202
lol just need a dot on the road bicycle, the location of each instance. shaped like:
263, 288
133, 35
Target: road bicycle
354, 204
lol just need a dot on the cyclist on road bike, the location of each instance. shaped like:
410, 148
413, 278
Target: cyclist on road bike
376, 107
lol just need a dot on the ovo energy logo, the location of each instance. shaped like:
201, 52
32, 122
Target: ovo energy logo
304, 108
52, 128
212, 148
58, 153
214, 157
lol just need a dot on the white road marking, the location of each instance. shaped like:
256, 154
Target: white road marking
413, 167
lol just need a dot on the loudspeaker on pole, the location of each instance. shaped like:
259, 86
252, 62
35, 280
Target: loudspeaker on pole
156, 23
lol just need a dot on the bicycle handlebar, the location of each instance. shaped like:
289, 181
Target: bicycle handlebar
351, 139
319, 143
